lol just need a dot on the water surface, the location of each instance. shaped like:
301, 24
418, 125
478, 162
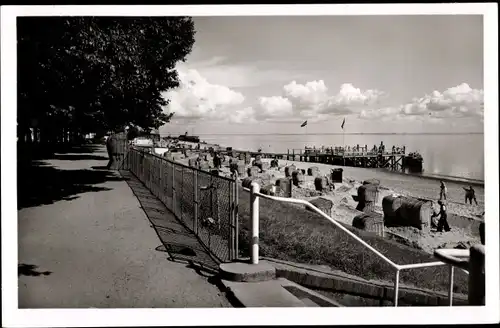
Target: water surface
445, 155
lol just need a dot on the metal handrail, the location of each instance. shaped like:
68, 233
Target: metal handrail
456, 257
254, 194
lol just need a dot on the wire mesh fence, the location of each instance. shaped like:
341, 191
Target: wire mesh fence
204, 202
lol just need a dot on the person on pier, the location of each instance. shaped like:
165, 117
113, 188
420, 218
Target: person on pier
470, 194
443, 191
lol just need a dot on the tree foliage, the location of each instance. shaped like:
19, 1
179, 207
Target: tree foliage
98, 73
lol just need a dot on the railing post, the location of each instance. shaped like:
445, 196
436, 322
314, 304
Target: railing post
173, 190
450, 291
195, 191
231, 221
162, 182
236, 222
396, 288
182, 190
254, 214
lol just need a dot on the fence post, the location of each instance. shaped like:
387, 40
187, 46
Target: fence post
196, 207
254, 214
162, 180
236, 221
230, 221
211, 195
396, 288
450, 283
158, 177
173, 189
182, 190
150, 164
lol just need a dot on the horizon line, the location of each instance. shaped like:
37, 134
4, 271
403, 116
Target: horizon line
332, 133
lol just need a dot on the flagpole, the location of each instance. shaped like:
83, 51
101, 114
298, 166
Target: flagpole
343, 143
343, 133
343, 138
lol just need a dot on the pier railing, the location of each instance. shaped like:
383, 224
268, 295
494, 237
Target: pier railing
206, 203
254, 213
345, 152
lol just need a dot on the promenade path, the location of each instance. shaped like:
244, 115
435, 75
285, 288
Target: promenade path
85, 241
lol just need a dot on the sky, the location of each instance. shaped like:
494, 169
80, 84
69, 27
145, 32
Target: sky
268, 74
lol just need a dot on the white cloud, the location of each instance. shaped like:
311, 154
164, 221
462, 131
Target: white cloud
275, 106
221, 70
459, 101
456, 102
313, 101
349, 95
380, 113
245, 115
196, 98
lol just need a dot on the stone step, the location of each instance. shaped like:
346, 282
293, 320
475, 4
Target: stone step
308, 302
275, 293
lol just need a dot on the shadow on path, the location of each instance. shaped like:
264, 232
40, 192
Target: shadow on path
30, 270
28, 151
79, 157
178, 241
40, 183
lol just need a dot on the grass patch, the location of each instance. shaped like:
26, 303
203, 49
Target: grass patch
292, 233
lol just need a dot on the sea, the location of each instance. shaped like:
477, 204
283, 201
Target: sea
447, 156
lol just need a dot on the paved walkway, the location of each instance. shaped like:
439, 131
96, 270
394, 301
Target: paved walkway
91, 245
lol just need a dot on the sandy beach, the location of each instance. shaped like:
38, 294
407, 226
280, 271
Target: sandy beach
463, 218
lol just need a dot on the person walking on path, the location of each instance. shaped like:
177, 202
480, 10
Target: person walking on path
443, 218
470, 194
443, 192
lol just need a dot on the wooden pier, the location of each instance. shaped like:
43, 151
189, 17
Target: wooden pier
361, 157
354, 157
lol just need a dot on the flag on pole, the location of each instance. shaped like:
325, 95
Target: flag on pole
343, 122
303, 124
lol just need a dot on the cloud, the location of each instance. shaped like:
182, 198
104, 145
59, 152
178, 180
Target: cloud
197, 98
223, 71
459, 101
380, 113
245, 115
312, 100
456, 102
275, 106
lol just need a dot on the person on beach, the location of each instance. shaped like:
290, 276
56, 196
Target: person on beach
443, 218
443, 191
217, 161
470, 194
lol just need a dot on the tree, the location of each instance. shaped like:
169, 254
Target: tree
90, 74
